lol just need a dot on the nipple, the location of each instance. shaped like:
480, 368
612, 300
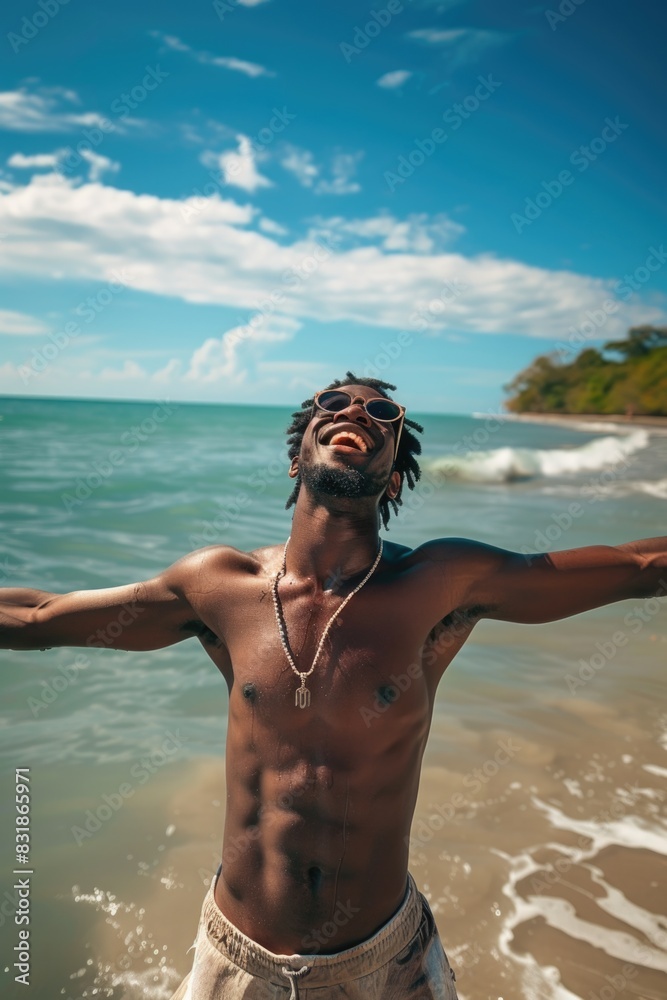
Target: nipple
249, 692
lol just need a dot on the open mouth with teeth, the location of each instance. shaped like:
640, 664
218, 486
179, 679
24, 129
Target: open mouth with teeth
348, 440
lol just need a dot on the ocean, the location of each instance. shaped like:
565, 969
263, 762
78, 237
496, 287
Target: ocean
548, 884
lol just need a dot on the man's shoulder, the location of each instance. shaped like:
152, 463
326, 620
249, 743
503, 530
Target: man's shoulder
216, 561
441, 551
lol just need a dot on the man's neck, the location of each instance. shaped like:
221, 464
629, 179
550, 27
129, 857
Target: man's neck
332, 539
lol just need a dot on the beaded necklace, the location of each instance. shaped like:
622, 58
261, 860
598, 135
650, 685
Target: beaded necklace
302, 694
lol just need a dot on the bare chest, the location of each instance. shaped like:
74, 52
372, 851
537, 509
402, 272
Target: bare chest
375, 666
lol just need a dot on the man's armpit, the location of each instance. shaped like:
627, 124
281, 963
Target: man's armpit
460, 620
197, 628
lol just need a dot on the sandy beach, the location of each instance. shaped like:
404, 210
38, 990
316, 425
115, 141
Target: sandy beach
571, 419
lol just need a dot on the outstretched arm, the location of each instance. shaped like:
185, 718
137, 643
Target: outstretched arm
140, 616
532, 589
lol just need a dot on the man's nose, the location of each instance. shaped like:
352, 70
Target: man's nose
355, 412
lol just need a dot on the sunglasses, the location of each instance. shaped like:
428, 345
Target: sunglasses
383, 411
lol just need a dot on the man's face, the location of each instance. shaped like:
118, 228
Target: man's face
347, 453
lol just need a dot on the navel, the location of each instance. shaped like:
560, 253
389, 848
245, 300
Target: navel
315, 877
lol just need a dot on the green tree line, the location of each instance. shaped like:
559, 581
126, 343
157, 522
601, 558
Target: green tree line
633, 380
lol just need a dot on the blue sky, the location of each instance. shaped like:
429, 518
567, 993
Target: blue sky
237, 201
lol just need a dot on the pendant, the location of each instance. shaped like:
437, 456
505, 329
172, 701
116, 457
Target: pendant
302, 696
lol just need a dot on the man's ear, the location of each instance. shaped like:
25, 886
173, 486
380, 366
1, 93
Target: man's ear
294, 468
394, 485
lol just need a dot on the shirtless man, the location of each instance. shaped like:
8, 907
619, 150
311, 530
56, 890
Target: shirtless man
323, 770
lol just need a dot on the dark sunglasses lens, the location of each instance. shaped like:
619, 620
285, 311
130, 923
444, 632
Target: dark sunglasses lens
333, 400
383, 409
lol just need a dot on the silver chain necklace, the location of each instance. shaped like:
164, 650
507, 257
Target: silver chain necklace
302, 694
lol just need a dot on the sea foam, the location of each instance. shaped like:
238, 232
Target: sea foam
501, 465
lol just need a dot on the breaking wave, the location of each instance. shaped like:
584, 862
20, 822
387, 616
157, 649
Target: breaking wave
508, 464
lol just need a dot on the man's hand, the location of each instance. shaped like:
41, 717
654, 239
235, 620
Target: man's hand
140, 616
506, 585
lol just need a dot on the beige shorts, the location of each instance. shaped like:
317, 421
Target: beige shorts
404, 959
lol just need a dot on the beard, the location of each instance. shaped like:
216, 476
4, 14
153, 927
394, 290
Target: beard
350, 483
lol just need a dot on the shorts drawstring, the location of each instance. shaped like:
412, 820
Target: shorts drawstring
294, 995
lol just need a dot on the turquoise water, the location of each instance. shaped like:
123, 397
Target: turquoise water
96, 494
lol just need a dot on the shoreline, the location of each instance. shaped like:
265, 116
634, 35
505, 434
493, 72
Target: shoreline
568, 419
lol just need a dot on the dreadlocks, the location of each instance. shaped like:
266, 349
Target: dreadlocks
406, 464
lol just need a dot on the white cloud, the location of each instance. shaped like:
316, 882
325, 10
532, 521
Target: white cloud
58, 229
294, 374
238, 168
99, 164
172, 42
130, 370
222, 359
42, 111
270, 226
460, 46
240, 65
37, 161
301, 163
20, 324
206, 59
343, 168
166, 374
419, 233
394, 79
